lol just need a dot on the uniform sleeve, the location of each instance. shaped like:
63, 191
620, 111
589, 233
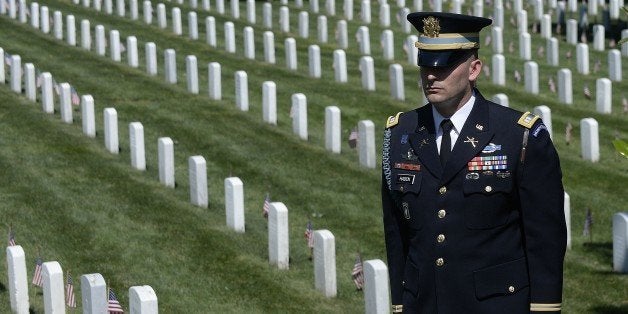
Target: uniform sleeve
396, 248
542, 199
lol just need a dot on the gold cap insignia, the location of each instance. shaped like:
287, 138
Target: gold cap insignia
431, 26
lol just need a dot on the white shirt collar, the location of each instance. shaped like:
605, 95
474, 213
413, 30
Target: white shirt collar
458, 118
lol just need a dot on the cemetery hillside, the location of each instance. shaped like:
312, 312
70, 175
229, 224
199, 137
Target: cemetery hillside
144, 140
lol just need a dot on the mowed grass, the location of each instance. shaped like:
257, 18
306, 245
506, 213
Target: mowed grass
71, 201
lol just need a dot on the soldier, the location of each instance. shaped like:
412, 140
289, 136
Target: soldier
471, 191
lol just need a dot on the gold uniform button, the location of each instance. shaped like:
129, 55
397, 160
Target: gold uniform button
488, 188
440, 262
401, 188
442, 190
511, 289
442, 213
440, 238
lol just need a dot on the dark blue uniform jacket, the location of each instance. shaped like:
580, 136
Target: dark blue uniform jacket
486, 232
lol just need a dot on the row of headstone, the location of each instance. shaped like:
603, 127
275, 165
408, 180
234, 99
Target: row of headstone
142, 299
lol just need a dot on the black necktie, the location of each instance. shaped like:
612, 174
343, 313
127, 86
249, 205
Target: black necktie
445, 143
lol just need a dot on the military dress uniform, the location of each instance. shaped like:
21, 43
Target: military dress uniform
483, 233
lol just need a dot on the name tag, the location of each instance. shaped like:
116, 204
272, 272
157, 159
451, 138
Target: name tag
405, 178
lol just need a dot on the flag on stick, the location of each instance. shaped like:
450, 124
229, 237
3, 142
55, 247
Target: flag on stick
357, 273
76, 100
266, 206
588, 224
309, 237
568, 130
113, 305
69, 292
11, 240
37, 279
353, 138
586, 91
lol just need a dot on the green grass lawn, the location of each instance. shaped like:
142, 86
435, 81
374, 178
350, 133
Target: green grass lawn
70, 200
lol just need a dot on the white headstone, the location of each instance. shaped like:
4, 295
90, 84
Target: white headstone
230, 45
332, 129
241, 90
567, 208
143, 300
299, 115
565, 90
603, 95
47, 96
624, 46
151, 58
206, 5
545, 114
304, 24
592, 8
314, 7
86, 37
397, 89
291, 53
365, 11
170, 66
364, 40
590, 139
278, 236
131, 50
620, 242
94, 294
552, 51
614, 9
133, 9
376, 287
330, 6
45, 19
525, 46
614, 65
412, 52
54, 296
234, 203
522, 21
267, 15
136, 145
406, 27
347, 8
16, 73
162, 22
114, 43
249, 43
111, 130
314, 60
120, 8
70, 28
572, 32
220, 7
388, 46
384, 15
342, 37
269, 102
18, 282
322, 29
531, 73
191, 67
250, 11
192, 25
177, 28
88, 117
214, 80
497, 40
367, 68
235, 9
65, 103
30, 87
546, 26
210, 30
582, 58
437, 6
2, 69
538, 10
325, 262
269, 47
499, 70
148, 12
501, 99
366, 143
284, 19
35, 15
198, 181
165, 148
340, 66
58, 25
101, 45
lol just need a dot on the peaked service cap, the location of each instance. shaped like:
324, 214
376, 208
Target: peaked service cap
445, 38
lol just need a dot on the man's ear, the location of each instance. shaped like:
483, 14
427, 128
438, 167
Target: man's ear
475, 68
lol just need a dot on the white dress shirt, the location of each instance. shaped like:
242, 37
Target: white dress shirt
458, 119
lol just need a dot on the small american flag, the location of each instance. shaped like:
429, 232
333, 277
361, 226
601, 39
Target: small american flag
517, 76
487, 40
624, 102
309, 235
551, 84
568, 54
11, 241
76, 100
357, 273
7, 59
70, 301
568, 130
588, 223
353, 138
37, 279
114, 305
586, 91
266, 206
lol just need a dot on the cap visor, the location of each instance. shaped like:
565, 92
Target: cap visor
440, 58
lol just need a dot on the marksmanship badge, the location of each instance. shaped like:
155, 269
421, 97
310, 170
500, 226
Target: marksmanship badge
431, 26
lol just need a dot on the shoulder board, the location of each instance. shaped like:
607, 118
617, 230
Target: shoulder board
393, 120
527, 119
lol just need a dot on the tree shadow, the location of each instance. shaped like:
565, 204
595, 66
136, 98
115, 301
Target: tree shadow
610, 309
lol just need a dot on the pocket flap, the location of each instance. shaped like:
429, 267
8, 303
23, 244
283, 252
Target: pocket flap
502, 279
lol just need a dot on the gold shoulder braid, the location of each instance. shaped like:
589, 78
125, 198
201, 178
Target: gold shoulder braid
393, 120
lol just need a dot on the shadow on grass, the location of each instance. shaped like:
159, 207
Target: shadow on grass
610, 309
602, 251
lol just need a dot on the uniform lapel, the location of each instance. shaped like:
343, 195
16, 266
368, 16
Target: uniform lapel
423, 141
475, 134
